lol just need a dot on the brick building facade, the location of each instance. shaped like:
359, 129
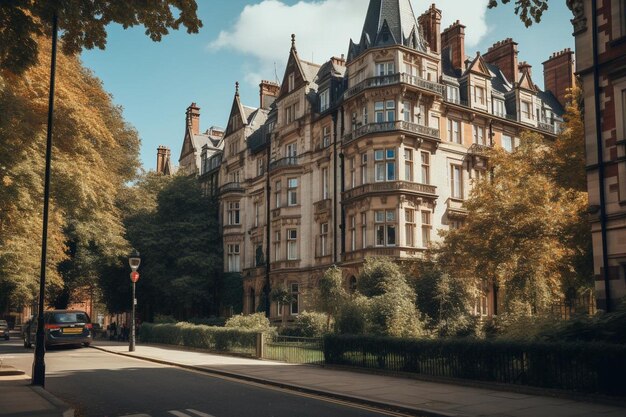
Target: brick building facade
600, 32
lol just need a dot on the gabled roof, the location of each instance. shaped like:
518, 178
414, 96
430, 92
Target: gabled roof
478, 66
527, 83
237, 112
388, 22
304, 72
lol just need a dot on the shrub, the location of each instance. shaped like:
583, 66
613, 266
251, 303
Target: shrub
219, 339
257, 322
352, 318
379, 276
393, 315
311, 324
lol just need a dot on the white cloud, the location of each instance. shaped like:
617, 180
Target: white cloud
323, 29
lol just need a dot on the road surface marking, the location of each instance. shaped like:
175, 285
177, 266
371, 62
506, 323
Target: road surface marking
198, 413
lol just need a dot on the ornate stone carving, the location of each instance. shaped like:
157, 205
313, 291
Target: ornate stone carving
579, 21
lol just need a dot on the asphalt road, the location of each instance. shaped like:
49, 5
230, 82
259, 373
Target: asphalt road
97, 383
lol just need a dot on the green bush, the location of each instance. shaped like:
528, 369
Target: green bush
352, 316
311, 324
219, 339
584, 367
257, 322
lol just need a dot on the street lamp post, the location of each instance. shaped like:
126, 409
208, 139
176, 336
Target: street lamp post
134, 260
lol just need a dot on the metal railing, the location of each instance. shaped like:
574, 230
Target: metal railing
546, 127
383, 80
305, 350
377, 187
382, 127
285, 162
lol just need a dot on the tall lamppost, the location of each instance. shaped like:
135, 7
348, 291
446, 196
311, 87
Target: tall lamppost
134, 260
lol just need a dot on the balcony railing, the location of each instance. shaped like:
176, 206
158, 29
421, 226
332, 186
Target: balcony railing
546, 127
455, 208
322, 205
479, 149
231, 187
397, 78
285, 162
392, 252
369, 128
382, 187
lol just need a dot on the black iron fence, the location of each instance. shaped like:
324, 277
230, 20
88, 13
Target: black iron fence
306, 350
583, 367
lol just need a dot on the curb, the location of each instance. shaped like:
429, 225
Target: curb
419, 412
10, 371
63, 407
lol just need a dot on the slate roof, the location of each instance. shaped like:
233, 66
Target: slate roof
388, 22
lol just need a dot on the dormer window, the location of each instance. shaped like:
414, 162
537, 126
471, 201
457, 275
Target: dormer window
452, 94
526, 112
498, 108
291, 81
479, 94
324, 100
385, 68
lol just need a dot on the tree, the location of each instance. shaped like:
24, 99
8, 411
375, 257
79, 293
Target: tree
529, 11
523, 230
95, 153
331, 294
83, 24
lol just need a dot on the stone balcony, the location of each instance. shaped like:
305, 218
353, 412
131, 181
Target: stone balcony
398, 125
290, 161
424, 190
455, 209
398, 78
392, 252
231, 187
322, 206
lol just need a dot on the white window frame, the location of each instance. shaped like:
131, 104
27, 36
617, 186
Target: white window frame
324, 239
408, 164
454, 131
385, 165
292, 192
292, 244
233, 213
425, 164
456, 181
324, 100
385, 68
385, 223
234, 257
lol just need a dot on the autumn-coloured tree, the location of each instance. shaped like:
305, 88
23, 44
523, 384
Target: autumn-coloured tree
95, 154
526, 230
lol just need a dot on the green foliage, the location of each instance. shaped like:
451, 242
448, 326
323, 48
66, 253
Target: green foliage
331, 294
164, 319
230, 291
444, 299
380, 276
582, 367
257, 322
280, 294
310, 324
529, 11
221, 339
82, 24
352, 317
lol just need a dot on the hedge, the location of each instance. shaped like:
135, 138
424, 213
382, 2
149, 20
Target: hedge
582, 367
219, 339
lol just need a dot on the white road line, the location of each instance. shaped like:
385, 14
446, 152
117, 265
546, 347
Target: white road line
198, 413
179, 413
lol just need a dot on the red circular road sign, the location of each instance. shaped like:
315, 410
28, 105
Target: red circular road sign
134, 276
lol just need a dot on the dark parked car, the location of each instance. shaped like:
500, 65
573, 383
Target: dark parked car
4, 329
61, 327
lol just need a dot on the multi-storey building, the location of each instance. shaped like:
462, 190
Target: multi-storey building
196, 143
371, 154
600, 32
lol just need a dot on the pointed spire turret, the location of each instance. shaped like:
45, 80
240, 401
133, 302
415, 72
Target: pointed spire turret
237, 88
293, 43
388, 22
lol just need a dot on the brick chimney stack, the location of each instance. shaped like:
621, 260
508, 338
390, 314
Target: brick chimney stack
268, 91
340, 62
163, 156
503, 54
193, 118
558, 74
430, 22
454, 38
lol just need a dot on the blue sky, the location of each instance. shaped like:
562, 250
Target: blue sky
249, 40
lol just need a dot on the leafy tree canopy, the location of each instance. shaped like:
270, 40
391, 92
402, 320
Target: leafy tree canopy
529, 11
83, 24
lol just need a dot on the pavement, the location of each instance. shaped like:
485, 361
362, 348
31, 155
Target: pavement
409, 396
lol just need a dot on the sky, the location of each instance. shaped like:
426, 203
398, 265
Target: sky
249, 41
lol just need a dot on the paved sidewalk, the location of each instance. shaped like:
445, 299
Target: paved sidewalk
19, 398
419, 397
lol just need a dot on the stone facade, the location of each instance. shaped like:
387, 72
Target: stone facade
368, 155
600, 32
